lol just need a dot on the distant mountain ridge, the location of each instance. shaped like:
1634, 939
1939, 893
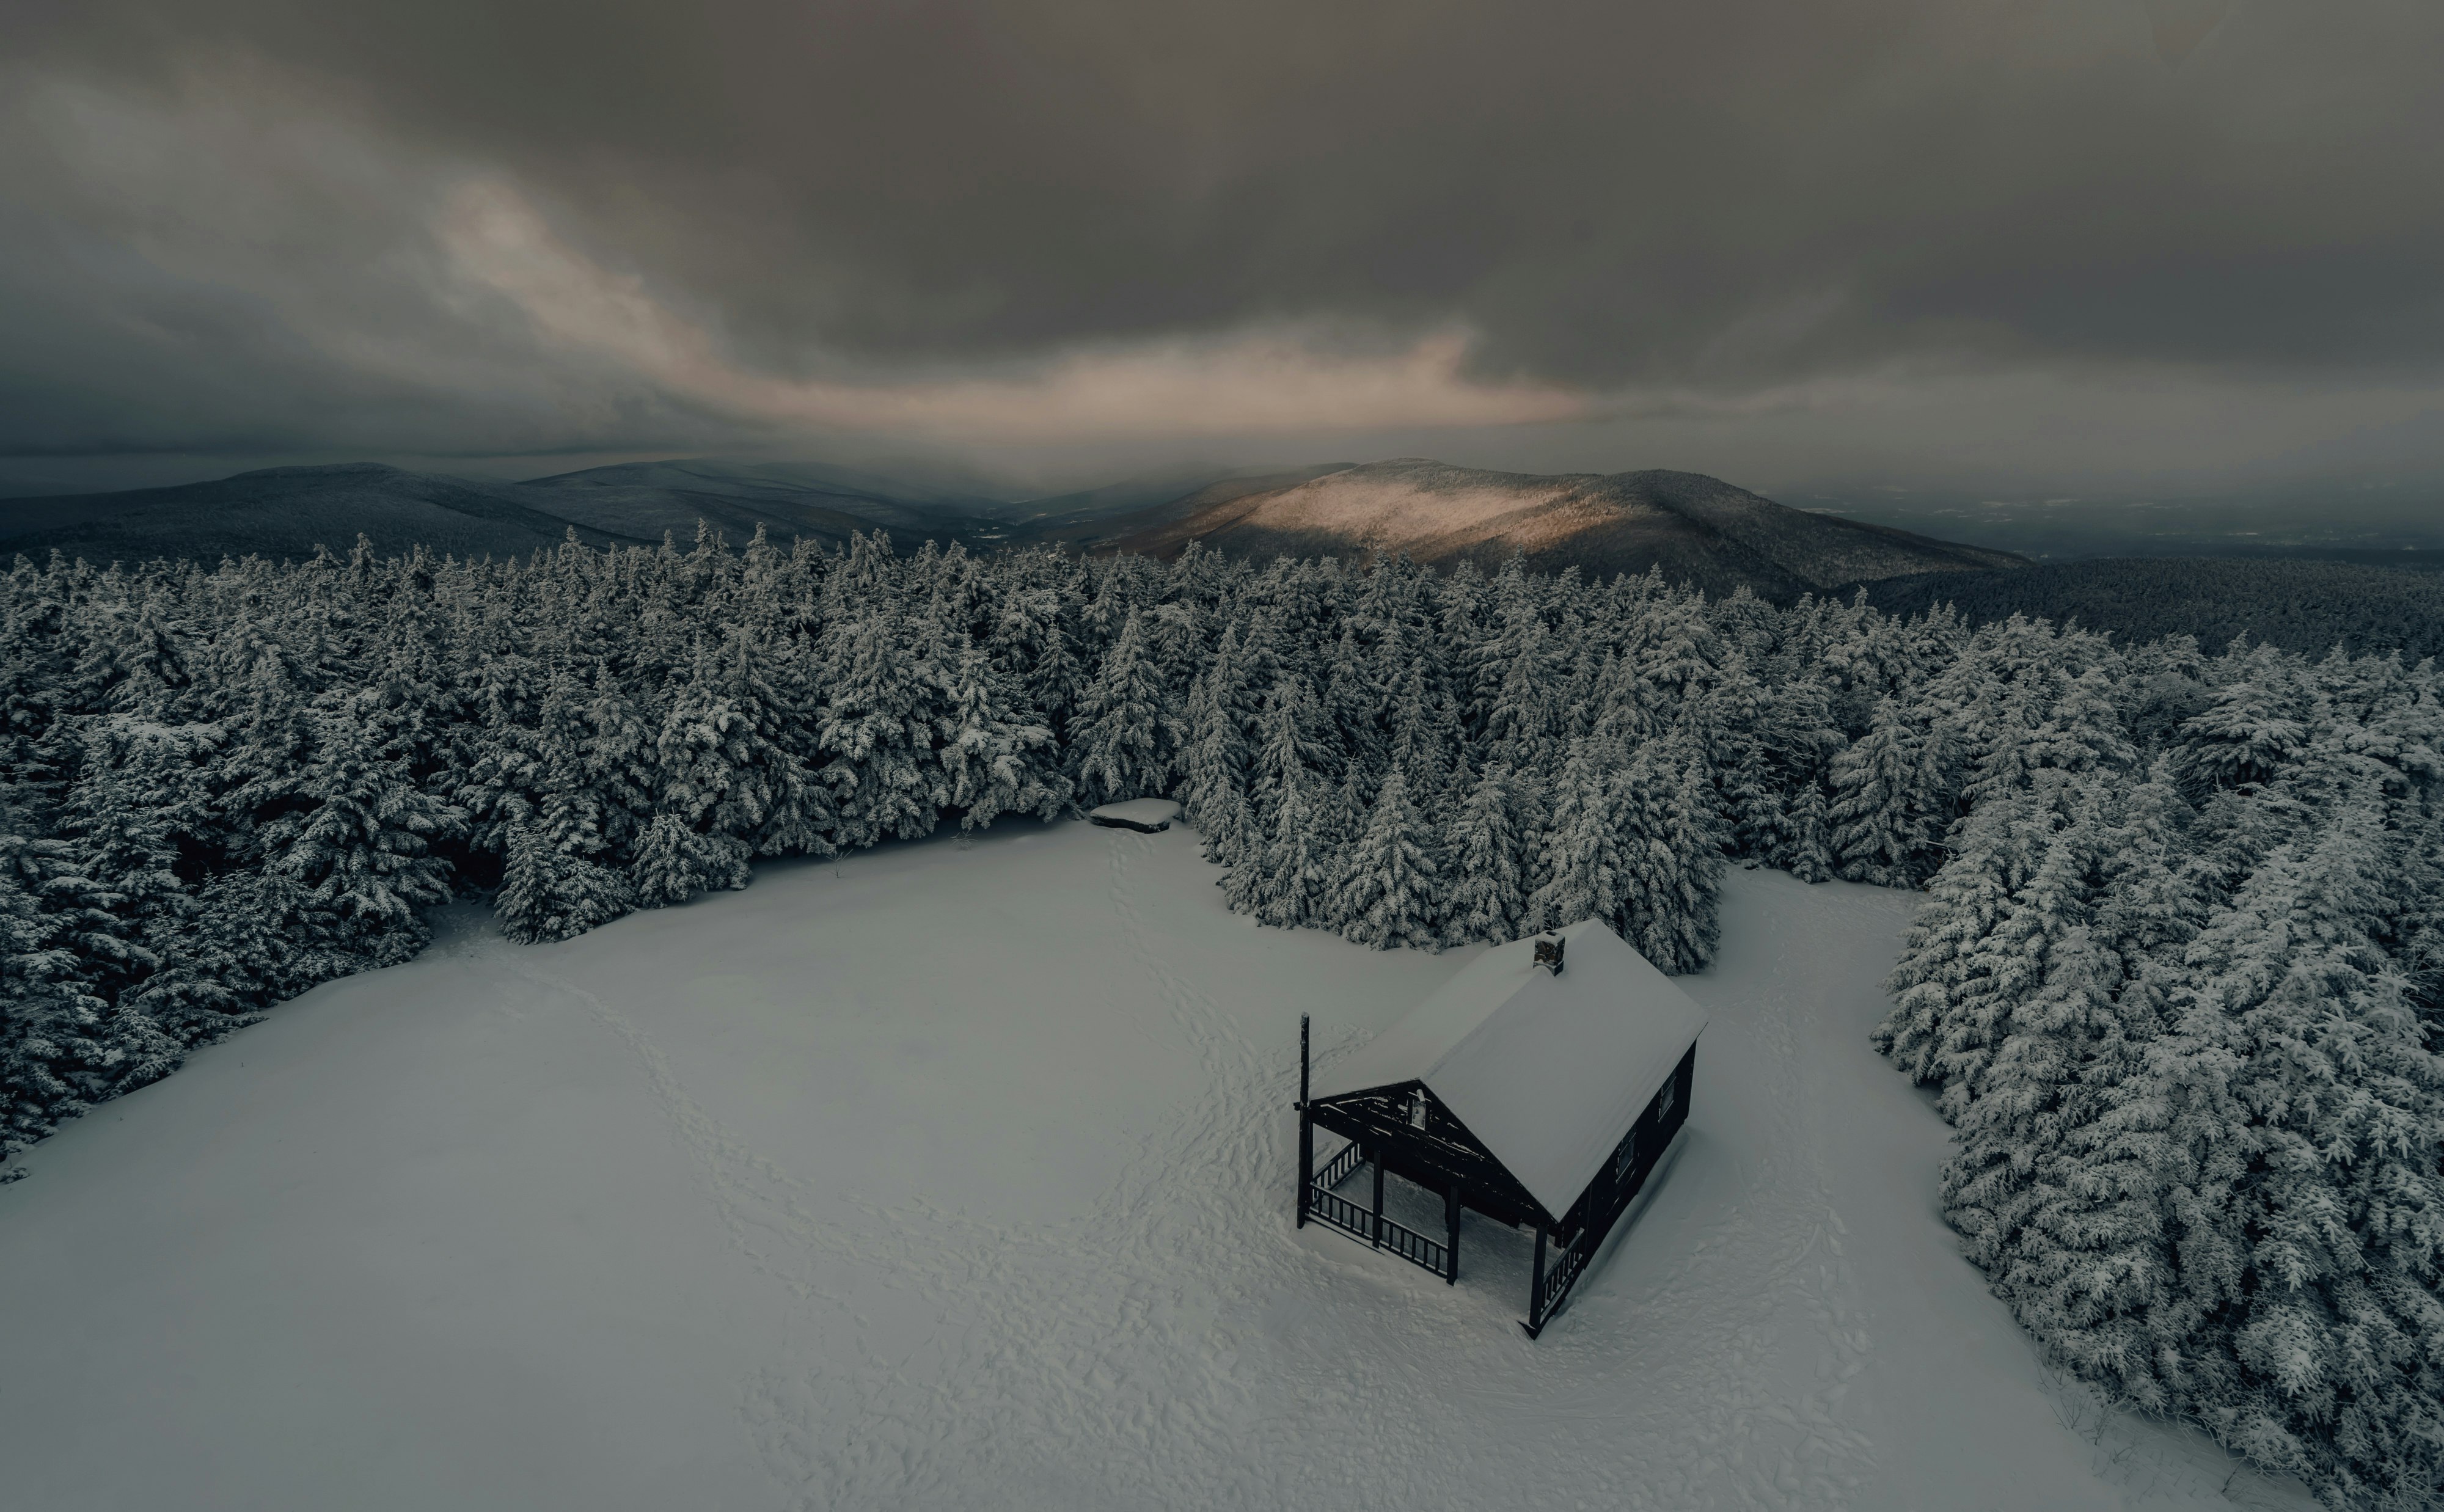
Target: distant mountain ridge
287, 512
1100, 516
650, 499
1696, 528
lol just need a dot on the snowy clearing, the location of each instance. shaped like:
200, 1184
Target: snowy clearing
958, 1174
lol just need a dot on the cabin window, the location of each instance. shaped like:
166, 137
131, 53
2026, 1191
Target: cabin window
1624, 1157
1417, 1109
1663, 1099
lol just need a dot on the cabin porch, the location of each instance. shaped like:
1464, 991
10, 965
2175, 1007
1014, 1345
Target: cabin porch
1405, 1171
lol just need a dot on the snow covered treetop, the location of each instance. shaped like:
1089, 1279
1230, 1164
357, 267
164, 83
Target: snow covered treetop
1548, 1070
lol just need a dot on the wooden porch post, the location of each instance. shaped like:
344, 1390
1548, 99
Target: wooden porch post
1378, 1199
1451, 1242
1536, 1288
1306, 1131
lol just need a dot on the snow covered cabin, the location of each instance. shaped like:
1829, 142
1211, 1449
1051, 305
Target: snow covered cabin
1539, 1086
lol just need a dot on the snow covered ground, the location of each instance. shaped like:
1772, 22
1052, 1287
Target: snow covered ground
958, 1176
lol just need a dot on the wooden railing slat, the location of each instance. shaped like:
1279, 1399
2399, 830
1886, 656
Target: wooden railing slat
1329, 1206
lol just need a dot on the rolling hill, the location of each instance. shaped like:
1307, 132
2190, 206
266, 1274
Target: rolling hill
646, 500
1696, 528
284, 513
287, 512
1098, 517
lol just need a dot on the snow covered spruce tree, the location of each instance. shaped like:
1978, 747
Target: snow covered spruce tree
1391, 884
1993, 856
1214, 756
62, 1046
1672, 912
721, 781
355, 837
1580, 869
1120, 740
995, 758
876, 732
1488, 885
554, 883
1885, 819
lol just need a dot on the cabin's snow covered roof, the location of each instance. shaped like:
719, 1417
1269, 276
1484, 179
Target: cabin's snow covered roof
1547, 1071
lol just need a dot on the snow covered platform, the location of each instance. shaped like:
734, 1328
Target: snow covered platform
774, 1202
1147, 816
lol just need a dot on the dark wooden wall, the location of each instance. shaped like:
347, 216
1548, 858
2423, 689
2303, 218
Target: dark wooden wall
1619, 1183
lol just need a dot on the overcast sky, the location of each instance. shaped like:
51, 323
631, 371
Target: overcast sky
1987, 244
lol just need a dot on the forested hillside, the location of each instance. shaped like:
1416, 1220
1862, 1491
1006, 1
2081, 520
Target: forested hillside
1691, 527
282, 512
2177, 975
2299, 605
293, 512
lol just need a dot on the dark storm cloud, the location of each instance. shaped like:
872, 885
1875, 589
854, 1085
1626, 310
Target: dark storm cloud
524, 222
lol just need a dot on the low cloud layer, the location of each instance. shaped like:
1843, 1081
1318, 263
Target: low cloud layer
1264, 382
2126, 238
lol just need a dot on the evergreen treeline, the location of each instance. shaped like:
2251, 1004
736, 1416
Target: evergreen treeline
2294, 603
2175, 975
2177, 981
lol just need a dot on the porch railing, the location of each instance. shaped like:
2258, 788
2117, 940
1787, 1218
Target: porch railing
1336, 1169
1331, 1208
1325, 1205
1414, 1248
1563, 1274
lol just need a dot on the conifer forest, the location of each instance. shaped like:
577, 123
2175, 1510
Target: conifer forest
2175, 981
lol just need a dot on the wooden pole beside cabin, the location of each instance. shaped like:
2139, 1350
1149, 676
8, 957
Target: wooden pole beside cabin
1536, 1288
1451, 1240
1306, 1130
